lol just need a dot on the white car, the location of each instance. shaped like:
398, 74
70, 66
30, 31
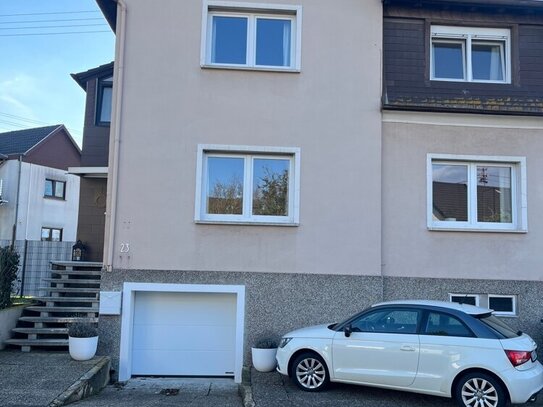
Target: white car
432, 347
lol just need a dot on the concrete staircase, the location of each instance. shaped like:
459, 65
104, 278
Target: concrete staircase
71, 295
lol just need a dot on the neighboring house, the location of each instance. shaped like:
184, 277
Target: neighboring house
277, 165
97, 83
462, 140
35, 188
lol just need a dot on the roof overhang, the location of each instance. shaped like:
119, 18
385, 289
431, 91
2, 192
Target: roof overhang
82, 77
109, 9
512, 4
89, 172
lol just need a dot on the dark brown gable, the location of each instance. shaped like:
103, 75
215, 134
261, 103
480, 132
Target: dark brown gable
406, 44
56, 151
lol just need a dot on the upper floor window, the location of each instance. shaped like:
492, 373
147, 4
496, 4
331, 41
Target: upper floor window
476, 192
470, 54
103, 97
255, 36
247, 185
55, 189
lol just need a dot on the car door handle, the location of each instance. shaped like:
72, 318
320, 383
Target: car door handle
407, 348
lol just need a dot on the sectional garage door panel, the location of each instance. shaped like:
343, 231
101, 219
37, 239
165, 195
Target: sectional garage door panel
184, 334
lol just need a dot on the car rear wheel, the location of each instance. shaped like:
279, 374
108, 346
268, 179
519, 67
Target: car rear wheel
480, 390
309, 372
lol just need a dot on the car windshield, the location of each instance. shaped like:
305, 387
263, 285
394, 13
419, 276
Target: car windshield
498, 326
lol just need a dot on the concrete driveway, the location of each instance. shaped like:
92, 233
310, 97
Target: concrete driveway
166, 392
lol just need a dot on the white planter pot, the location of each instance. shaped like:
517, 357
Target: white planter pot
264, 359
82, 348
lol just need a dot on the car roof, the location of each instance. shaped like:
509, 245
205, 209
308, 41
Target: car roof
467, 308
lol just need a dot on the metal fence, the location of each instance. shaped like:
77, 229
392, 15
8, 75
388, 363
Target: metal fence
35, 262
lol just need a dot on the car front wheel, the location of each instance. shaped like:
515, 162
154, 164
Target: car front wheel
480, 389
309, 372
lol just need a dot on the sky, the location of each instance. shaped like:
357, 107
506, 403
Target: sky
41, 44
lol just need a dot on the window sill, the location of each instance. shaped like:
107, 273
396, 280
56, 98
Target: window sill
245, 223
54, 198
446, 229
250, 68
466, 81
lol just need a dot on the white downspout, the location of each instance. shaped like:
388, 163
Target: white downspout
112, 185
14, 230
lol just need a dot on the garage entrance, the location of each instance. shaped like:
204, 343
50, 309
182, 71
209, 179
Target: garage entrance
181, 330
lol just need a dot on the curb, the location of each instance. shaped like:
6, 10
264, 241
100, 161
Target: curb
90, 383
245, 389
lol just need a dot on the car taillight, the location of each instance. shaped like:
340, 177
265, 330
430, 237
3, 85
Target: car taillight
518, 357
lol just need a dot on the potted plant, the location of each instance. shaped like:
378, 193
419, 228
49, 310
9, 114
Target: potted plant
82, 340
264, 355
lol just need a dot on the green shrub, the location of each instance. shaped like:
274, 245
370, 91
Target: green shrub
9, 264
266, 344
82, 330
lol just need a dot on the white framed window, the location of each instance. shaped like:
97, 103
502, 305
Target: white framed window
51, 234
471, 299
104, 94
470, 54
479, 193
251, 36
247, 185
504, 305
55, 189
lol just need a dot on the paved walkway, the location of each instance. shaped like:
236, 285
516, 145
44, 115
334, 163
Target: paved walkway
36, 379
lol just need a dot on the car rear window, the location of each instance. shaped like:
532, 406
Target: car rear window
498, 326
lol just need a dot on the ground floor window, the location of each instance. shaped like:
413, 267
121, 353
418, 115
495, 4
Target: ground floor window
476, 193
240, 184
51, 234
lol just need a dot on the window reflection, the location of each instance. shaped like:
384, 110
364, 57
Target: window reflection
270, 187
494, 198
450, 192
225, 185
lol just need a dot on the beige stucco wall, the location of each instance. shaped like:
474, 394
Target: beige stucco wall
409, 248
330, 110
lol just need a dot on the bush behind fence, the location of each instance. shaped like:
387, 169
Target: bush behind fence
35, 264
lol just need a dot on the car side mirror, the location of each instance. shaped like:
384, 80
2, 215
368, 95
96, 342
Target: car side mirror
348, 331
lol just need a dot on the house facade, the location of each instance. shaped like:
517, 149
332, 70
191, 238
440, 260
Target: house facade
39, 199
277, 165
97, 83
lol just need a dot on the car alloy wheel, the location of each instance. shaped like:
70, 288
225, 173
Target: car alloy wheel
480, 390
309, 372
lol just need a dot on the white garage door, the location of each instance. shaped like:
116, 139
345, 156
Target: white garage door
184, 334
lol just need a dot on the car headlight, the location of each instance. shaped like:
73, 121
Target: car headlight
284, 342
